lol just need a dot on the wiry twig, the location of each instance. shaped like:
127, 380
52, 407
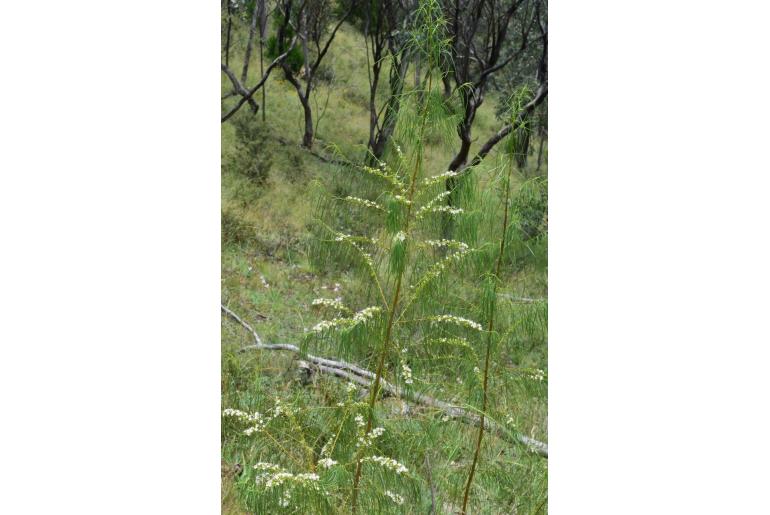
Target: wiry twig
363, 377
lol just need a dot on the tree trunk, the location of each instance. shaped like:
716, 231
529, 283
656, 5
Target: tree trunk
307, 139
262, 31
252, 32
229, 27
397, 78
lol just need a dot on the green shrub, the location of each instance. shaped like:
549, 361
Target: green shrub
295, 59
234, 230
531, 208
250, 158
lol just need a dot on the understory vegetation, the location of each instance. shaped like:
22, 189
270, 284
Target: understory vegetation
384, 314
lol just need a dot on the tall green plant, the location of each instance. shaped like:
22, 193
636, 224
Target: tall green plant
516, 146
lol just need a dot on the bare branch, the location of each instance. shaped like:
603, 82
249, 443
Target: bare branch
250, 93
540, 94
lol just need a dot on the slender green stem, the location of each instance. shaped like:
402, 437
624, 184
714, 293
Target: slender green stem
393, 308
490, 327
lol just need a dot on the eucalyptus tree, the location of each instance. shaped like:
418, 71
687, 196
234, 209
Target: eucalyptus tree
385, 25
541, 87
310, 21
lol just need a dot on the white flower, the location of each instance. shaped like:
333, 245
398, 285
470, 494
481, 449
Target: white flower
448, 243
364, 202
440, 177
395, 497
476, 370
365, 314
230, 412
377, 432
330, 303
458, 321
406, 373
368, 439
350, 387
388, 463
284, 502
400, 236
359, 421
326, 463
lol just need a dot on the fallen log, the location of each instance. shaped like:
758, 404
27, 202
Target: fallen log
362, 377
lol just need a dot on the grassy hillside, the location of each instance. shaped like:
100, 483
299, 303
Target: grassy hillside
271, 272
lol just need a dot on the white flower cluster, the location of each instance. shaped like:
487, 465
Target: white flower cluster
440, 177
464, 322
325, 449
368, 439
402, 199
236, 413
462, 342
452, 244
394, 497
351, 387
267, 467
342, 237
537, 375
427, 207
446, 209
388, 463
272, 480
259, 422
383, 173
364, 202
273, 476
400, 236
365, 314
330, 303
359, 420
324, 325
359, 317
326, 463
406, 373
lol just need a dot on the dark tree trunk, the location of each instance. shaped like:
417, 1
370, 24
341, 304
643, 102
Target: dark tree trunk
229, 27
262, 30
250, 43
307, 139
397, 76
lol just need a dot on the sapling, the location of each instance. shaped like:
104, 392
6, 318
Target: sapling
516, 142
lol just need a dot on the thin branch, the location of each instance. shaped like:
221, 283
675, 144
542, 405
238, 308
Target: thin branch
542, 92
250, 93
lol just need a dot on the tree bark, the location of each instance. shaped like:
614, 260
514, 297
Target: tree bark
250, 43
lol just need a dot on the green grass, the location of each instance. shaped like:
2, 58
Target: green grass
268, 279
